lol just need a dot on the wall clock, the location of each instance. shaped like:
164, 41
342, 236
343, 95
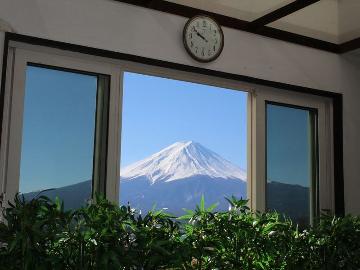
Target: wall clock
203, 38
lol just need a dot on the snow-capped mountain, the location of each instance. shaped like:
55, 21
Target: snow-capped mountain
183, 160
177, 176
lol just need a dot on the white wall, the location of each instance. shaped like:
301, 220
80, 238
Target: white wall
350, 86
125, 28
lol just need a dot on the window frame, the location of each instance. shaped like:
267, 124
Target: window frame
133, 67
325, 152
20, 58
314, 190
115, 68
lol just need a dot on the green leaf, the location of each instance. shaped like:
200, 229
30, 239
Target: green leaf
212, 207
202, 203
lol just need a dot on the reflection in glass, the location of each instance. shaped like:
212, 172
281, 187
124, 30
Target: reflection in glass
291, 171
58, 135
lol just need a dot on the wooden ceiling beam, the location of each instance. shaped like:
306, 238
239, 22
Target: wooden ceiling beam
351, 45
281, 12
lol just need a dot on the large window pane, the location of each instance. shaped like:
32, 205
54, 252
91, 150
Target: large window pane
291, 161
58, 135
180, 141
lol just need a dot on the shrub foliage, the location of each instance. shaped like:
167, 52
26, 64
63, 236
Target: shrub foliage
40, 234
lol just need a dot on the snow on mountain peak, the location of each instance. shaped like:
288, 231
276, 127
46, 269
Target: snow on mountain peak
182, 160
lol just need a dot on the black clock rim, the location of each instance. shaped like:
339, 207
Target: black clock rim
187, 47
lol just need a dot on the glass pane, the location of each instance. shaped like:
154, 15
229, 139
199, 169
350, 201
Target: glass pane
180, 141
58, 135
290, 161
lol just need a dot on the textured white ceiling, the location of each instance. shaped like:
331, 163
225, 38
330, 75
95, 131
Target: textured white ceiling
349, 19
319, 20
335, 21
247, 10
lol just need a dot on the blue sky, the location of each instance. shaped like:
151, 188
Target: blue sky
158, 112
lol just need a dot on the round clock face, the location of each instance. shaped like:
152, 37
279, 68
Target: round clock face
203, 38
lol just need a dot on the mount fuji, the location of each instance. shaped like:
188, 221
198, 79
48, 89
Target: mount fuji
177, 176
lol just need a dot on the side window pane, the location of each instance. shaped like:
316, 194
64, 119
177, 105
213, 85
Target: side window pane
291, 169
181, 140
58, 135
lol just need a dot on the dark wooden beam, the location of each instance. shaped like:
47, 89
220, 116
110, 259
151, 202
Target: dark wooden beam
350, 45
281, 12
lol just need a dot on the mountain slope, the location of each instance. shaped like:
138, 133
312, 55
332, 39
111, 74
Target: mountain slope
292, 200
177, 195
177, 176
74, 196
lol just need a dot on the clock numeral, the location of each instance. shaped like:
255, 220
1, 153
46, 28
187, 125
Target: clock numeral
214, 48
203, 52
192, 44
197, 24
196, 49
204, 24
209, 53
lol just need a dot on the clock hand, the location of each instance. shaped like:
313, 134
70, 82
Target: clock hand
200, 35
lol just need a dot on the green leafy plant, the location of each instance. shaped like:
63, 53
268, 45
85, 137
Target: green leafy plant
31, 230
40, 234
